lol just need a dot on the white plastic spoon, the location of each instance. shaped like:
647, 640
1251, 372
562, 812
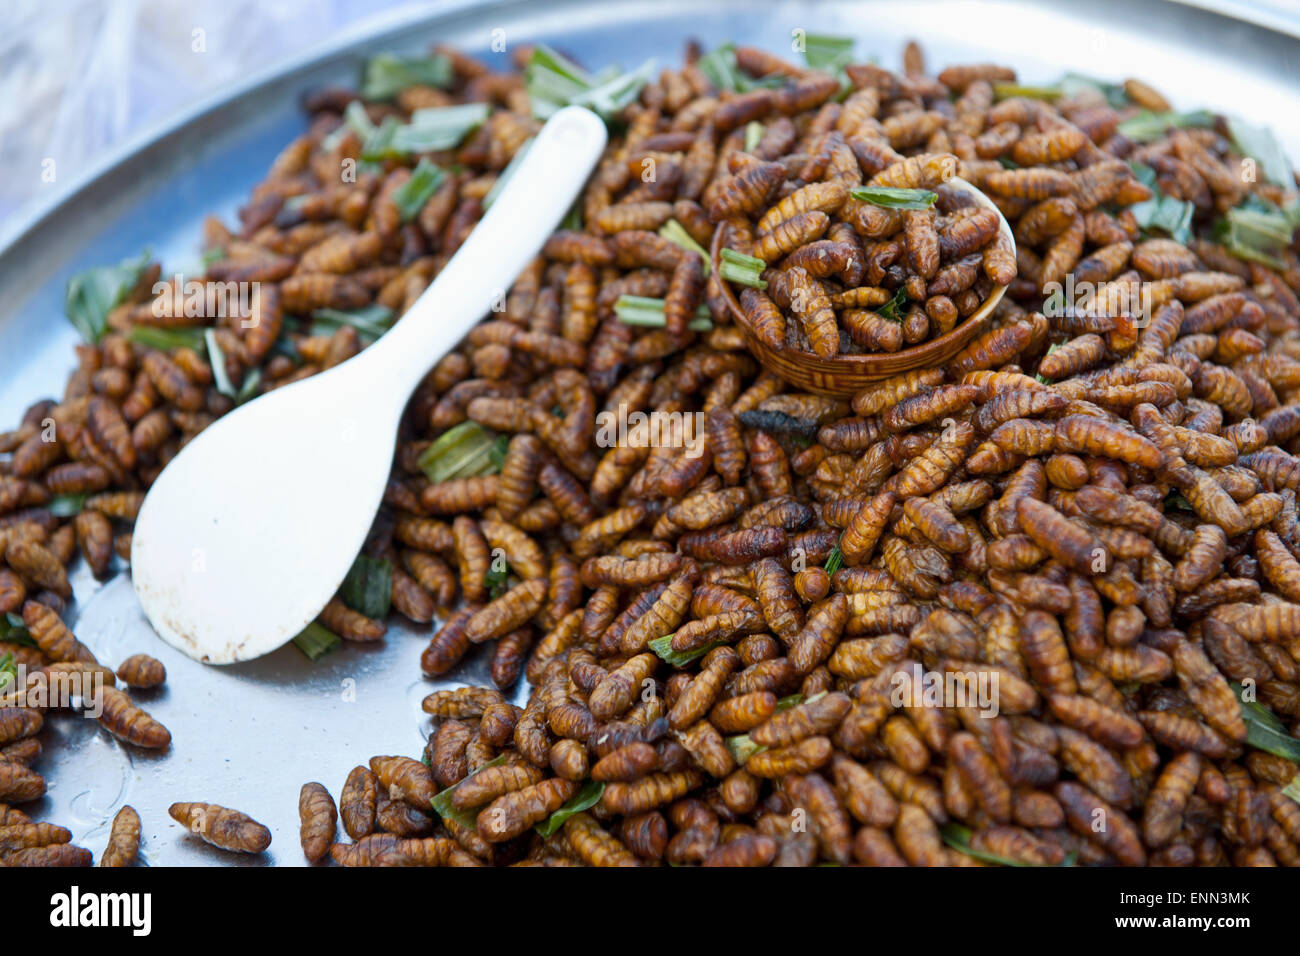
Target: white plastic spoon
249, 531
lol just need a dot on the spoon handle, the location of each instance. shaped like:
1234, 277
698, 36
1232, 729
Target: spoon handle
524, 214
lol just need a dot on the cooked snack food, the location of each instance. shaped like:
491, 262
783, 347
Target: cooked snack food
963, 616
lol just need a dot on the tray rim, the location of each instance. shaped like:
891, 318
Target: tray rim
390, 23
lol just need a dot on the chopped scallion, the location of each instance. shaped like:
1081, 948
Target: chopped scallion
166, 340
316, 641
742, 269
410, 197
461, 452
676, 233
368, 587
388, 74
642, 310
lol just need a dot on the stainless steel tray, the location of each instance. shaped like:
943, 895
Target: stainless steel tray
248, 736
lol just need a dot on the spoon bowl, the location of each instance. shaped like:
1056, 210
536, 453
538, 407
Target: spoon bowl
248, 532
846, 374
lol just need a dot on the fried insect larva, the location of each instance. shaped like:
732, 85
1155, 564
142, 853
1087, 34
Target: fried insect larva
891, 391
404, 777
1119, 837
616, 692
1162, 814
1209, 692
31, 835
594, 845
222, 827
648, 793
386, 849
1058, 536
129, 723
460, 702
141, 670
512, 813
863, 532
806, 756
815, 641
1203, 559
123, 839
927, 406
507, 612
319, 818
1104, 724
489, 783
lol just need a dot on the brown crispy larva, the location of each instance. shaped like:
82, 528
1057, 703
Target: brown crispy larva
319, 817
141, 670
123, 839
222, 827
129, 723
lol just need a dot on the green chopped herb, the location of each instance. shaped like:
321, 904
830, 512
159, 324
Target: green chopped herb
790, 702
1264, 731
440, 127
958, 837
355, 120
217, 359
167, 340
66, 506
573, 218
248, 389
1147, 126
584, 799
892, 198
719, 67
1005, 91
316, 641
742, 748
554, 81
13, 630
676, 233
368, 587
388, 74
663, 647
370, 321
216, 253
1160, 212
443, 806
1259, 143
742, 269
1257, 232
645, 311
827, 53
92, 294
753, 135
461, 452
499, 448
890, 309
497, 578
835, 561
410, 197
8, 672
1176, 501
1074, 83
491, 196
1292, 789
379, 146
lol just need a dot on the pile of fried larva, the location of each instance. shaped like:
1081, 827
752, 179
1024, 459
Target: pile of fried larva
731, 641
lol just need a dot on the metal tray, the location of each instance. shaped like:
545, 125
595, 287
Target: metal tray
248, 736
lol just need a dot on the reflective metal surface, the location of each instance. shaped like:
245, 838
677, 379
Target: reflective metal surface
250, 735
